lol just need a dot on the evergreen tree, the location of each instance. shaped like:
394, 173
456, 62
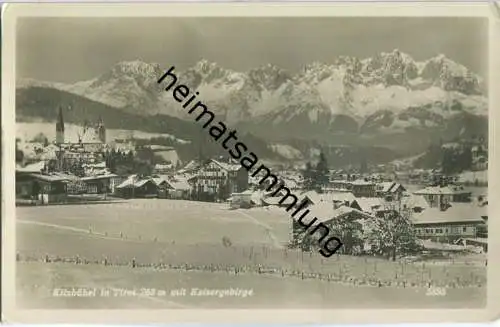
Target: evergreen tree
455, 161
308, 175
321, 174
466, 158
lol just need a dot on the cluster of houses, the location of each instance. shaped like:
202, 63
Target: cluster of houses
444, 213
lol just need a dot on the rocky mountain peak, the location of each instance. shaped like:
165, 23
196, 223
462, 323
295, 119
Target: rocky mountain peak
269, 76
130, 72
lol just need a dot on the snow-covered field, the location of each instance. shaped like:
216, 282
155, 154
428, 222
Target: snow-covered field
184, 232
473, 176
269, 292
182, 222
27, 131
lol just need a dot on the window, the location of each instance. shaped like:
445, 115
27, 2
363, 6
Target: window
464, 229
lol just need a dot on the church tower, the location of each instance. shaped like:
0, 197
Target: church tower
101, 131
60, 127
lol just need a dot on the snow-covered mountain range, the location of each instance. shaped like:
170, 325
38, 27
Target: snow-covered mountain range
389, 93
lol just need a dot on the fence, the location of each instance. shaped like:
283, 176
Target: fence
286, 263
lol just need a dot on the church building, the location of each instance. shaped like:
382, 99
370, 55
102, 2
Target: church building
88, 149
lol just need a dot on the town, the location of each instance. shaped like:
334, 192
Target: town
439, 210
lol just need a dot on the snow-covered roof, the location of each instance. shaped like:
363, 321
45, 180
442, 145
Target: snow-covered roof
95, 165
414, 201
156, 147
189, 167
325, 212
458, 212
66, 176
163, 166
179, 184
159, 180
246, 192
50, 178
32, 168
343, 197
361, 182
276, 200
142, 182
447, 190
129, 182
227, 166
290, 183
103, 176
370, 204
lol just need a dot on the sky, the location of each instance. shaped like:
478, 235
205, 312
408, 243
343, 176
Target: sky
75, 49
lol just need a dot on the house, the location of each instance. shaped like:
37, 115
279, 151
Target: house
101, 184
416, 203
136, 187
95, 168
363, 188
164, 168
354, 222
292, 184
370, 206
173, 187
436, 195
217, 179
242, 199
335, 198
191, 167
450, 223
325, 212
74, 184
479, 157
278, 201
390, 190
341, 185
43, 188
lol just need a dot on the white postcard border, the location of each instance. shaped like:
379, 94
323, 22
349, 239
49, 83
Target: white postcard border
13, 315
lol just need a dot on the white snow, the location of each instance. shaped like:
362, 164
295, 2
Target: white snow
27, 131
319, 88
286, 151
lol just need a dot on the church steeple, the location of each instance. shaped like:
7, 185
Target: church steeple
101, 130
60, 127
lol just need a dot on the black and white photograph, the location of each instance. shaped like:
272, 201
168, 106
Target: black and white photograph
250, 162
